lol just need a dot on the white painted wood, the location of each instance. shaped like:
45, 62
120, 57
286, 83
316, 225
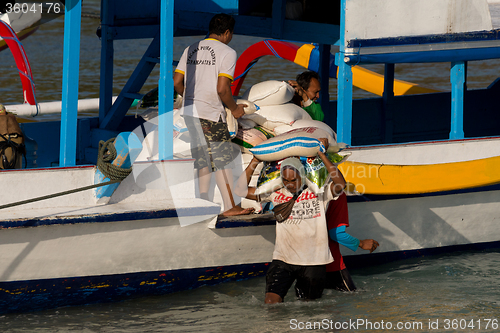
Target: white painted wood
427, 153
428, 222
368, 19
91, 249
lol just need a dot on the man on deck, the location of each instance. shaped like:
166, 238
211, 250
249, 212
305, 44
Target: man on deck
203, 77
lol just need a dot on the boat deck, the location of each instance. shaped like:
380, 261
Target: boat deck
113, 212
251, 220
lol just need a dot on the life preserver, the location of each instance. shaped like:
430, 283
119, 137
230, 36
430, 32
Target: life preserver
22, 63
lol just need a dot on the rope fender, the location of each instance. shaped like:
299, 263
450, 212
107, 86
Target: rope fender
105, 157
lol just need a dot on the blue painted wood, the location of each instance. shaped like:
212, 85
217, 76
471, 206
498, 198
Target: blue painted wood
472, 36
32, 295
324, 72
458, 78
194, 23
456, 55
112, 217
388, 97
279, 11
71, 65
372, 259
344, 86
128, 146
166, 83
134, 84
135, 32
213, 6
107, 56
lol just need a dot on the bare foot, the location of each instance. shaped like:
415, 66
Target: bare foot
237, 210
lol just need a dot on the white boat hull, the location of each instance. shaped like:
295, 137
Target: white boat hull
147, 240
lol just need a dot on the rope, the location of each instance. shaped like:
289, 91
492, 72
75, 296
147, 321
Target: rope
270, 47
246, 71
58, 194
106, 155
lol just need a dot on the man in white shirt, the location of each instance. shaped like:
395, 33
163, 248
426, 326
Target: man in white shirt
203, 77
301, 250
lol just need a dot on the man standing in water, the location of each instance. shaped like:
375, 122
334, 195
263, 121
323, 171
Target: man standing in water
307, 88
301, 250
203, 77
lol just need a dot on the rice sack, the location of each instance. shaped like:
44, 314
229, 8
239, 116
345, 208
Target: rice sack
232, 123
248, 138
302, 142
271, 116
270, 92
316, 173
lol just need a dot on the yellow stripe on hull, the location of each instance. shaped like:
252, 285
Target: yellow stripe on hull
414, 179
374, 83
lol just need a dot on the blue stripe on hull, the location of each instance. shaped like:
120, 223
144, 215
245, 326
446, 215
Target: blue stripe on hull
454, 55
32, 295
374, 259
110, 217
475, 36
23, 296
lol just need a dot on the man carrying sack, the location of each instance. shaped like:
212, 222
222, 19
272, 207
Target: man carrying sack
12, 146
301, 250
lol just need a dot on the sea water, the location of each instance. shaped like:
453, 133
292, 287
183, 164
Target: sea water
449, 293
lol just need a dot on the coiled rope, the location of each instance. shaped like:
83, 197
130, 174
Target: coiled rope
106, 155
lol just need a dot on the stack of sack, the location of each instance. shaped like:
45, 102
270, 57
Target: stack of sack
295, 134
181, 139
273, 129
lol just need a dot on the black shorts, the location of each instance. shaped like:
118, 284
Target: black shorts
310, 279
340, 280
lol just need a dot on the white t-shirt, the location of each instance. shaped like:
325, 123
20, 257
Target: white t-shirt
302, 239
202, 63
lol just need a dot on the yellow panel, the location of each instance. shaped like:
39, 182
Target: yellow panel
303, 55
414, 179
374, 83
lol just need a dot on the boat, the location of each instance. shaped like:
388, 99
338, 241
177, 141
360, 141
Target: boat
23, 23
91, 240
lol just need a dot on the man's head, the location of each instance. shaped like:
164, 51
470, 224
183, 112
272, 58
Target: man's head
222, 25
309, 81
292, 174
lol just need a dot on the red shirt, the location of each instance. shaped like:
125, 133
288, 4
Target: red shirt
337, 215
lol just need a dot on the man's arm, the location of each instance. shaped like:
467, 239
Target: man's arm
342, 237
179, 83
338, 181
226, 96
242, 189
